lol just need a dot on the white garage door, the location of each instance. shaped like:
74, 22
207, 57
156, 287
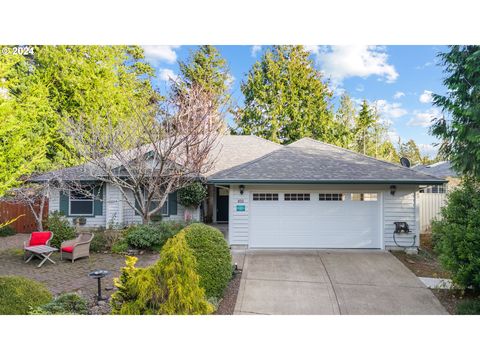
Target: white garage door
302, 219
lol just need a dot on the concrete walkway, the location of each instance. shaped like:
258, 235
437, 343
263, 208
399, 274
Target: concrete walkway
331, 282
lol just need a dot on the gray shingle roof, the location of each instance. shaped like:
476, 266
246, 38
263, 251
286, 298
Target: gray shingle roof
311, 161
230, 151
442, 169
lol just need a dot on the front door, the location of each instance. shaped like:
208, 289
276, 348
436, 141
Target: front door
222, 205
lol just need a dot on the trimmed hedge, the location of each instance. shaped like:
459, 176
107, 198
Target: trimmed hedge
214, 261
19, 295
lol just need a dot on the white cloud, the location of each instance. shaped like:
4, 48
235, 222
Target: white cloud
255, 50
389, 111
161, 53
428, 149
398, 95
339, 62
426, 97
230, 80
360, 88
424, 118
394, 137
314, 49
4, 92
167, 75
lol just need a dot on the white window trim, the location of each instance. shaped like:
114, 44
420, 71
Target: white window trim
70, 206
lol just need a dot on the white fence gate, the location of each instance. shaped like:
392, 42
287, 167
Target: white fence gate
430, 204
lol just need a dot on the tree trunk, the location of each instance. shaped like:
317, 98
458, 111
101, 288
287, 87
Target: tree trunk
146, 219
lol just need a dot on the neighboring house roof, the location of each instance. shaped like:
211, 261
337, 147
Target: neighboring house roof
442, 169
311, 161
229, 151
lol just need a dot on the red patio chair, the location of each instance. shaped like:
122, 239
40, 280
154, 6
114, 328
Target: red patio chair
37, 238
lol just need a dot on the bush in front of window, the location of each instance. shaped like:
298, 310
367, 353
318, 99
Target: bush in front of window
456, 236
151, 237
61, 228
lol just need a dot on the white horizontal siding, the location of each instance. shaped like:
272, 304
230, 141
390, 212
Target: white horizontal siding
238, 225
92, 222
399, 207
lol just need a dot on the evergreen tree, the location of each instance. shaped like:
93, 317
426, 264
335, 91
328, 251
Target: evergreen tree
460, 135
364, 127
411, 151
345, 119
286, 99
207, 68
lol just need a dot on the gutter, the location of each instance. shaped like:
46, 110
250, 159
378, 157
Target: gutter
300, 181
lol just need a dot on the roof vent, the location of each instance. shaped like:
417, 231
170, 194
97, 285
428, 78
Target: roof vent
405, 162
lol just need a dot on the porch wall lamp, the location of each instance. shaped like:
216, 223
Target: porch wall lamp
242, 188
393, 188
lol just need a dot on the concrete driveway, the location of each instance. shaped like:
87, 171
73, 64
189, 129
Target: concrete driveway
331, 282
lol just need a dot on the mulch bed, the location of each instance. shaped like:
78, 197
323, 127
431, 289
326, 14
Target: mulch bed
227, 304
423, 264
426, 264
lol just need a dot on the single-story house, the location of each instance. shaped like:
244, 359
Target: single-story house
433, 197
307, 194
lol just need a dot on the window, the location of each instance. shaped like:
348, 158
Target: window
164, 210
296, 197
265, 197
435, 189
364, 196
331, 197
81, 201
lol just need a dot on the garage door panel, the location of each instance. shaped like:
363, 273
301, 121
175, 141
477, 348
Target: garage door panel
315, 224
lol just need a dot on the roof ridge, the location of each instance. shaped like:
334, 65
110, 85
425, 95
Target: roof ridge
357, 153
265, 140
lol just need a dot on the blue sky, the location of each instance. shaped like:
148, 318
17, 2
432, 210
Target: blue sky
399, 79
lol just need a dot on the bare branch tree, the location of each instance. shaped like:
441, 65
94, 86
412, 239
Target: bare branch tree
156, 152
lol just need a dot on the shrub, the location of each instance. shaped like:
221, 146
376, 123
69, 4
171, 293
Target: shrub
151, 236
192, 195
61, 228
104, 240
65, 304
18, 295
214, 261
468, 307
99, 242
7, 231
120, 246
456, 236
170, 286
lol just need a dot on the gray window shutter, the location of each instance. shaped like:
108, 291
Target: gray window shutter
64, 203
98, 203
172, 203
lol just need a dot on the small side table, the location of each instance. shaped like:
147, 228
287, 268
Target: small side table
42, 251
99, 274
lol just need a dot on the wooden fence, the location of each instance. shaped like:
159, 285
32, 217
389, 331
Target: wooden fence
430, 205
26, 223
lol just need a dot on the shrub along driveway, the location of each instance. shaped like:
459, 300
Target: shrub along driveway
63, 276
331, 282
